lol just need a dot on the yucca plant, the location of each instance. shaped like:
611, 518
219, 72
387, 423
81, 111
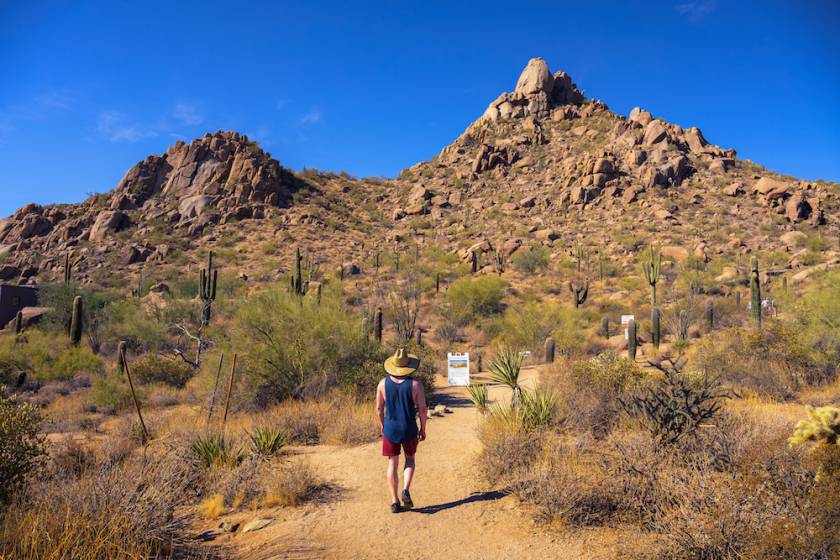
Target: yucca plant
504, 370
267, 441
213, 450
537, 408
478, 396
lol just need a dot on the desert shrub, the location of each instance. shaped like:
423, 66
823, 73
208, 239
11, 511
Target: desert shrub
21, 444
532, 260
290, 484
476, 297
607, 371
349, 422
127, 320
507, 451
110, 392
299, 347
59, 298
678, 405
771, 362
45, 357
115, 510
817, 326
526, 326
154, 368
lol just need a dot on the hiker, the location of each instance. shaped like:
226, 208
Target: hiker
399, 400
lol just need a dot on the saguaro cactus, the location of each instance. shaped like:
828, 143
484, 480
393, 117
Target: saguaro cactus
474, 261
121, 350
605, 326
377, 325
68, 269
549, 350
437, 282
376, 261
298, 273
76, 320
579, 254
710, 314
499, 261
755, 292
418, 336
207, 280
631, 340
579, 293
655, 327
652, 267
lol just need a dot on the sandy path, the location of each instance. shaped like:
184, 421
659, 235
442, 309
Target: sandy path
454, 516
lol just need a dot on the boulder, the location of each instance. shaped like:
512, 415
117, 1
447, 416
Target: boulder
735, 189
654, 133
766, 185
546, 235
9, 272
640, 116
535, 78
194, 206
675, 252
797, 208
793, 239
108, 222
528, 202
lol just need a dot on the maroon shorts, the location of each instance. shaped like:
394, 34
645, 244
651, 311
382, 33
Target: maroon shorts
390, 449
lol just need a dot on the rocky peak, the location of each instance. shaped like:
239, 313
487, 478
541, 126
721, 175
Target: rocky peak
537, 93
221, 167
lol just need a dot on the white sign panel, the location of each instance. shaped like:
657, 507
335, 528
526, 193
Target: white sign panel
458, 369
625, 322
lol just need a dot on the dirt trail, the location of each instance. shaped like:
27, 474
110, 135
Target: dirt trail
455, 516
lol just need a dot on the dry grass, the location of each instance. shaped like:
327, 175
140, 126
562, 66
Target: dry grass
212, 507
290, 484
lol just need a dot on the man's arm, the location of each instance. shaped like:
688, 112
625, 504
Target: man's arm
380, 406
422, 411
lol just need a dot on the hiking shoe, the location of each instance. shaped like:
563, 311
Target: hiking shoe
395, 507
406, 500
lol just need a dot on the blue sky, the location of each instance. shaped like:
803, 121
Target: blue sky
88, 89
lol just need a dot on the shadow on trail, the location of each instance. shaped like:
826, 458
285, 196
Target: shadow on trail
489, 496
449, 400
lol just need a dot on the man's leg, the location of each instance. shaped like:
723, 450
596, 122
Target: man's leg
408, 472
393, 476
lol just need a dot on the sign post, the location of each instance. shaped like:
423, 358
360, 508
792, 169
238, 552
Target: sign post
458, 369
625, 322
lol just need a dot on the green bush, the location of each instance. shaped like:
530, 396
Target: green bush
110, 392
298, 347
526, 326
532, 260
45, 357
21, 444
126, 320
154, 368
476, 297
607, 371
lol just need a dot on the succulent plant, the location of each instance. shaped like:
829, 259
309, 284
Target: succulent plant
755, 292
632, 341
549, 350
437, 282
76, 320
68, 269
579, 293
655, 327
605, 326
473, 262
207, 280
710, 314
19, 322
652, 268
821, 426
499, 262
377, 325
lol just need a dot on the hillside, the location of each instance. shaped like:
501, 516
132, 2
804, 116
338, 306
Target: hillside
542, 165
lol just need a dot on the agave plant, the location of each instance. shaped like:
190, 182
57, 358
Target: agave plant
267, 441
504, 370
478, 396
213, 450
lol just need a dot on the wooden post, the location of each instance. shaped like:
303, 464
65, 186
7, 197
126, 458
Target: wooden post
230, 390
215, 388
134, 394
418, 336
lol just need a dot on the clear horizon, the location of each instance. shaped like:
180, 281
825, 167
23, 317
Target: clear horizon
92, 89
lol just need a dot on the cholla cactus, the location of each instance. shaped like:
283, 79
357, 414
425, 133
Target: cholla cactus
822, 426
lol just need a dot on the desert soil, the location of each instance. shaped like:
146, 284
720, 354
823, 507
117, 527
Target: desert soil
455, 515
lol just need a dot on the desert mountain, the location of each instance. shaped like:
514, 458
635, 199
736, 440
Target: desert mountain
543, 164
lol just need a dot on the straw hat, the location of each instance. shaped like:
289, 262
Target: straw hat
402, 364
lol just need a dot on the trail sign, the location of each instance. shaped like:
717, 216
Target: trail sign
458, 368
625, 322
